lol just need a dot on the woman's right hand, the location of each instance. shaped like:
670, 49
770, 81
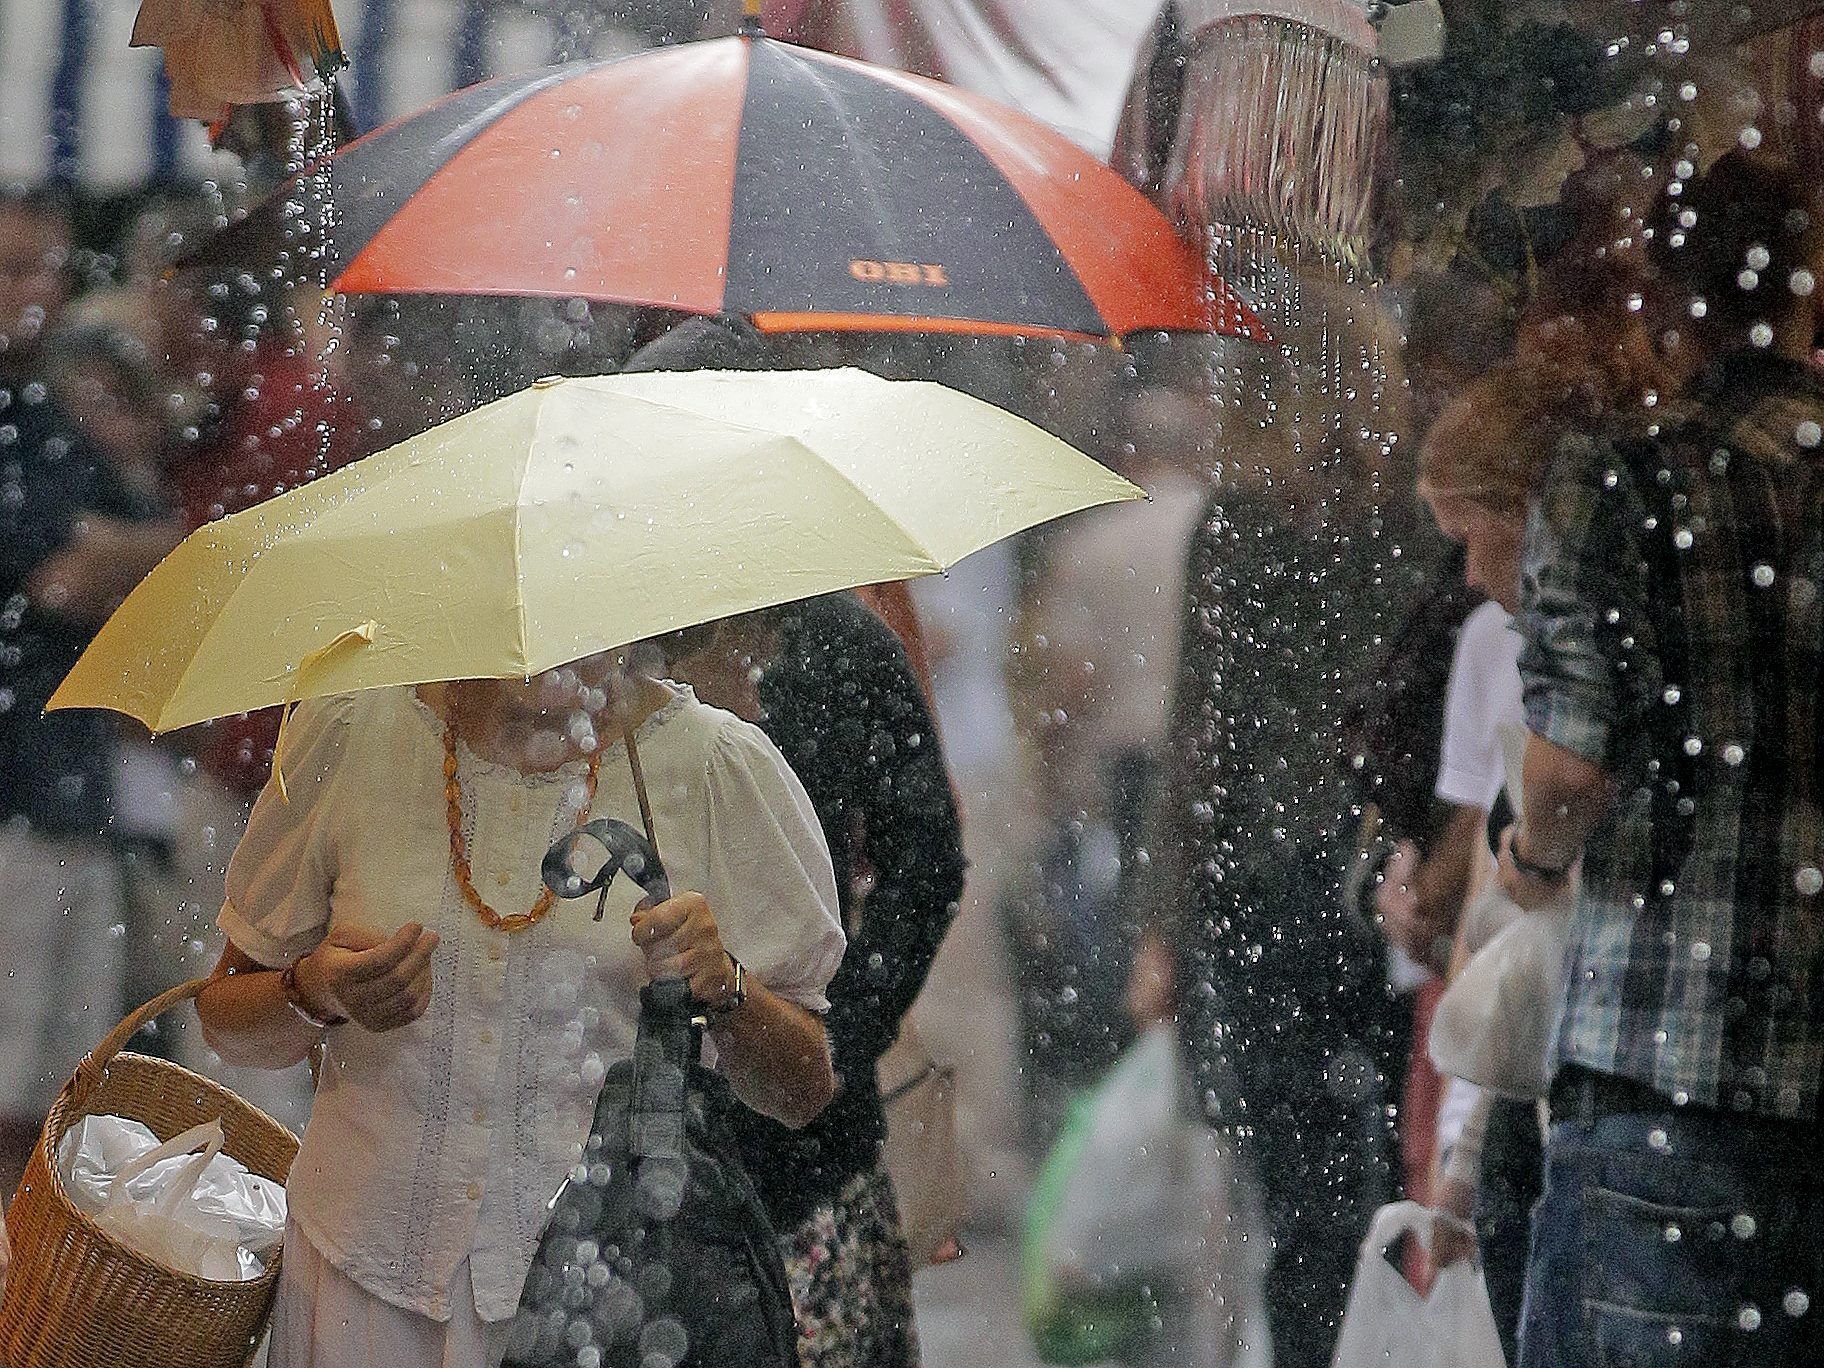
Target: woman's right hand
378, 982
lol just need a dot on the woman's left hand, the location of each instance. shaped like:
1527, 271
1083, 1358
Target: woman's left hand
680, 940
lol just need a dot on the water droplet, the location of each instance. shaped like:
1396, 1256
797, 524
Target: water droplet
1694, 745
1757, 258
1682, 539
1658, 1141
1749, 1318
1761, 335
1801, 282
1733, 754
1762, 574
1808, 433
1809, 880
1672, 693
1700, 951
1796, 1303
1673, 1234
1742, 1226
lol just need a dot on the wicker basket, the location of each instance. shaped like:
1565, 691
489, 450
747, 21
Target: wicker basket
76, 1298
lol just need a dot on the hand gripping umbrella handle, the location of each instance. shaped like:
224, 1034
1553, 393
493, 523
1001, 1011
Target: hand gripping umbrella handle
628, 852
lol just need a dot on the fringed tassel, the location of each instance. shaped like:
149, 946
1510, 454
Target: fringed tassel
1281, 130
223, 53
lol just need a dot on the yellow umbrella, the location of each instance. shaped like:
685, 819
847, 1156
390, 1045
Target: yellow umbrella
574, 517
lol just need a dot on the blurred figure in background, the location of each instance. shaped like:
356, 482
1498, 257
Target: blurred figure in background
1480, 471
1095, 676
105, 379
1304, 558
75, 536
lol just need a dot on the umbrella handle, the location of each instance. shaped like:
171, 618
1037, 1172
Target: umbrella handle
630, 743
628, 852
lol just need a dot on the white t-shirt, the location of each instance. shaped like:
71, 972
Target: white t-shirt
1483, 709
443, 1140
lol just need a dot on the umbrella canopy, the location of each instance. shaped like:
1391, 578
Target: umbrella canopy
750, 177
574, 517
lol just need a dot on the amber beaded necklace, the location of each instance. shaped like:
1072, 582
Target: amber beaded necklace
459, 851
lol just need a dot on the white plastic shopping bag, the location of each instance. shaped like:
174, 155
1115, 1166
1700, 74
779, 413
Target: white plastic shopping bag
1389, 1325
1124, 1210
1496, 1023
183, 1203
1143, 1241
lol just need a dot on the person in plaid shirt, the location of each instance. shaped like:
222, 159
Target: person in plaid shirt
1673, 646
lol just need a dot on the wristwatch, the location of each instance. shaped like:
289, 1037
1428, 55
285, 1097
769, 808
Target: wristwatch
1537, 872
737, 994
294, 995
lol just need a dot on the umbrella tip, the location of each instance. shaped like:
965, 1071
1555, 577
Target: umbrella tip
751, 25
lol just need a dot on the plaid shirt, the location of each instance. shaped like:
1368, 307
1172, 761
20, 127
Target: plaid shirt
1674, 637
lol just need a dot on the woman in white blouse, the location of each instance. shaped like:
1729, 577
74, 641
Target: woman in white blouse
391, 905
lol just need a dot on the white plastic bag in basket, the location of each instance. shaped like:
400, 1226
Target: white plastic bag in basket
183, 1203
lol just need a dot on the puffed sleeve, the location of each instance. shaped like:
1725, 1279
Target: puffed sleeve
771, 885
281, 874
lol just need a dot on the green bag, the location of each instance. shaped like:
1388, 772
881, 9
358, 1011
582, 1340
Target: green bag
1080, 1326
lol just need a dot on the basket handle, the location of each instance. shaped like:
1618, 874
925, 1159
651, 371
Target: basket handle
88, 1073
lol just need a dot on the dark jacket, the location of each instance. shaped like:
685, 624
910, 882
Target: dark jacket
843, 706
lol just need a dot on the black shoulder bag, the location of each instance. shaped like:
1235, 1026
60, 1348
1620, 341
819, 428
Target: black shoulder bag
658, 1253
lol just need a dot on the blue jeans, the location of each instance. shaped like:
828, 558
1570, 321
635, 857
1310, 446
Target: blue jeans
1677, 1238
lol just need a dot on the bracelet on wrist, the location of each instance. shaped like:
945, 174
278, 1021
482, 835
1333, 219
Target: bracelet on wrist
1537, 872
737, 993
294, 998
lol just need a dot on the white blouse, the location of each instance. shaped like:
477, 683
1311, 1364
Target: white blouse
445, 1139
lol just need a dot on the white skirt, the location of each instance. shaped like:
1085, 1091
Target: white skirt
322, 1318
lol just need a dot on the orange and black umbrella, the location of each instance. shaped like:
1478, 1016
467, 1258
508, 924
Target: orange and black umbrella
752, 177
